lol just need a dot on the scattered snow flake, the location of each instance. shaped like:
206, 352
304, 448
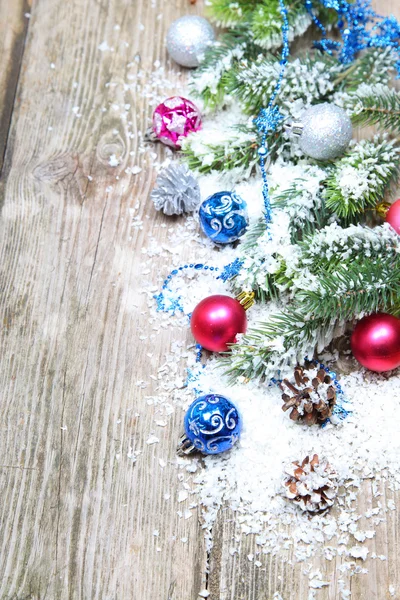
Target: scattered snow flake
183, 495
153, 439
359, 552
315, 580
162, 463
188, 514
104, 46
204, 594
113, 161
392, 590
156, 533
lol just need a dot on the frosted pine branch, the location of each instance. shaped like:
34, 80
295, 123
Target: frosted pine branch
375, 105
307, 80
359, 180
209, 80
223, 150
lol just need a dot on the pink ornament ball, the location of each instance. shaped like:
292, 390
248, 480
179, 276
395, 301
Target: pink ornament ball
375, 342
216, 321
393, 216
174, 119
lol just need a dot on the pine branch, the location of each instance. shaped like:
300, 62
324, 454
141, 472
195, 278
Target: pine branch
209, 80
303, 201
312, 321
375, 105
235, 149
374, 66
359, 180
333, 246
266, 22
226, 13
308, 79
363, 286
272, 346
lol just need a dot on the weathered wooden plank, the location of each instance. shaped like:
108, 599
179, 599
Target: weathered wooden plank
14, 20
234, 577
77, 513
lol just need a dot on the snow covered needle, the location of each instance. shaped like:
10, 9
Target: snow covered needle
359, 180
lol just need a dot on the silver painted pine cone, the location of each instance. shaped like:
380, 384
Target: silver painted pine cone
176, 190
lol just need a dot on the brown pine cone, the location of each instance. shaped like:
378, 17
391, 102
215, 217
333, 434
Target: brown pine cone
312, 485
312, 399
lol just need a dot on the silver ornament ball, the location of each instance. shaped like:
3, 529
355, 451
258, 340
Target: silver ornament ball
188, 38
326, 131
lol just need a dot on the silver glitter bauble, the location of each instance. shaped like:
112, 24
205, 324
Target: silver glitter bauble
176, 191
188, 39
325, 131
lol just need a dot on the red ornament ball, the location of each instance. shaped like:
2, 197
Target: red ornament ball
375, 342
174, 119
393, 216
216, 321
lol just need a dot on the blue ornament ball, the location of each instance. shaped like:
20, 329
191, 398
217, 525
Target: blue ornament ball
223, 217
212, 424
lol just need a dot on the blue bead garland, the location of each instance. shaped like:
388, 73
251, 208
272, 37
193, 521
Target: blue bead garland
175, 304
360, 27
270, 118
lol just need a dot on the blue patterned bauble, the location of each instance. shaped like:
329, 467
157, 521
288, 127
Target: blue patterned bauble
223, 217
212, 425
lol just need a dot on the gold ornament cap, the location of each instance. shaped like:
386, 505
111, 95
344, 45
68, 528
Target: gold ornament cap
382, 209
246, 299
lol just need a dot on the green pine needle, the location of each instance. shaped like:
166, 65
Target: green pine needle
360, 179
376, 105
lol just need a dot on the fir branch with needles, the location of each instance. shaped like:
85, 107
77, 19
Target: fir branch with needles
226, 13
375, 105
304, 202
308, 79
266, 22
236, 151
359, 180
365, 285
209, 80
374, 66
263, 18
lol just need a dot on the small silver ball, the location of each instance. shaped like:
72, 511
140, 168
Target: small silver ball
327, 131
188, 38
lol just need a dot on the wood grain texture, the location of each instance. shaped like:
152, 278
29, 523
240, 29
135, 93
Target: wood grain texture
13, 27
77, 514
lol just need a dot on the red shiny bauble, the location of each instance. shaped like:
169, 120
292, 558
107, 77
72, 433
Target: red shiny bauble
393, 216
375, 342
216, 321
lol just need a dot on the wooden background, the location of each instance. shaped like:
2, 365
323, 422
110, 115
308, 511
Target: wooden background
77, 514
